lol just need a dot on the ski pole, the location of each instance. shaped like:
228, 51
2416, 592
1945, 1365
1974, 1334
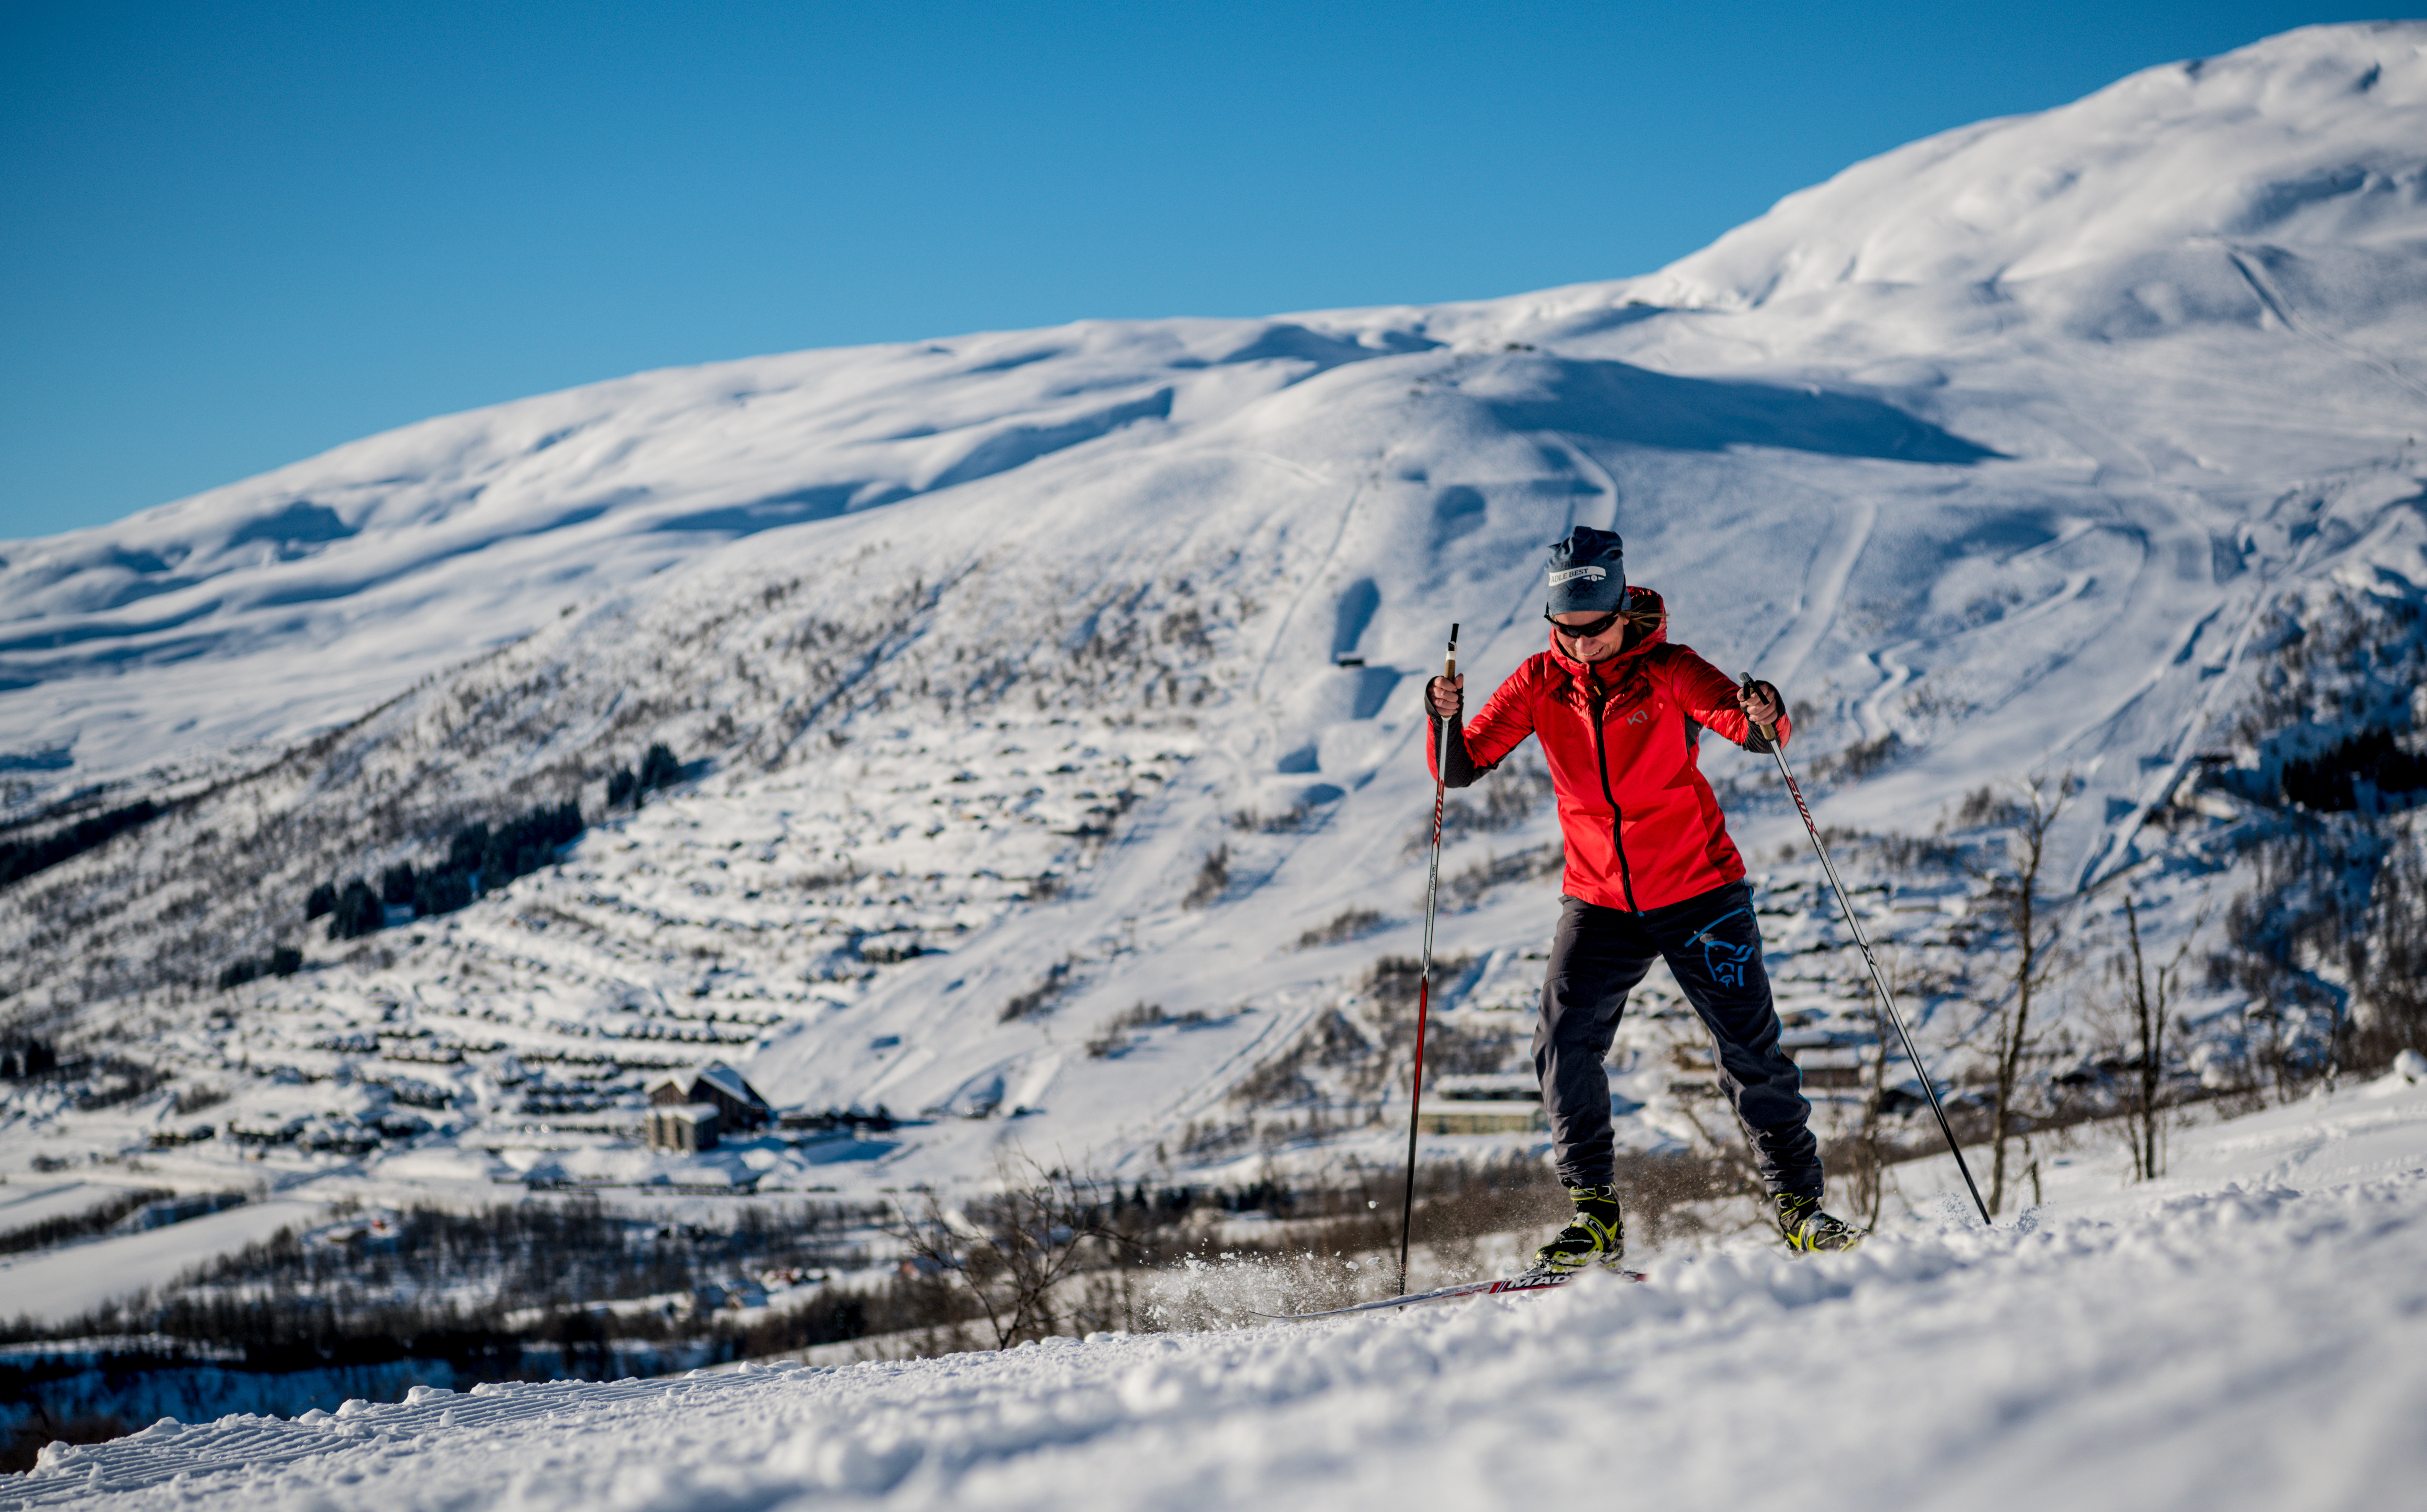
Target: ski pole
1879, 982
1425, 980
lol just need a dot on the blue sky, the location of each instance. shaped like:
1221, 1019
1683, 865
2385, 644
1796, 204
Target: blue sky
240, 233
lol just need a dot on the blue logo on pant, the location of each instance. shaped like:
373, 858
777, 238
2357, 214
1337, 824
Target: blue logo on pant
1725, 962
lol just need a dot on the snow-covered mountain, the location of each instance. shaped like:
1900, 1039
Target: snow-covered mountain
1050, 696
2308, 140
2272, 195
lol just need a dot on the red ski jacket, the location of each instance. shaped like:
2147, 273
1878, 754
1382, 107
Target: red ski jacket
1641, 825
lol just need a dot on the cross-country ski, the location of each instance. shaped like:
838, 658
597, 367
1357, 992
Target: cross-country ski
1503, 1286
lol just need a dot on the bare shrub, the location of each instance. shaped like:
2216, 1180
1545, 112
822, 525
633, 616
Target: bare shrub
2015, 898
2145, 1012
1393, 980
1507, 798
1056, 980
1117, 1029
1006, 1255
1279, 1082
2391, 1015
1348, 924
1212, 877
1480, 880
1859, 760
117, 1080
1456, 1049
1288, 821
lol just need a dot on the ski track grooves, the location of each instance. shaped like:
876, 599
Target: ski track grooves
2268, 295
1824, 595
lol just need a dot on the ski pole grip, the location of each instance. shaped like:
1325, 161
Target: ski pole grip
1449, 663
1769, 732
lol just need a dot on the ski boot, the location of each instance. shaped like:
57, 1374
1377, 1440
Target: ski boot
1595, 1236
1805, 1227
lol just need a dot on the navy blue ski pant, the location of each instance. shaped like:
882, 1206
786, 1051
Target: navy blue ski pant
1712, 945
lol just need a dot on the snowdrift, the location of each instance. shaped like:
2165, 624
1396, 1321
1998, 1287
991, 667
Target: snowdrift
2246, 1334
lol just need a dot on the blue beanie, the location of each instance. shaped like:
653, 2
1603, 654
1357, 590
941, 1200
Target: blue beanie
1588, 573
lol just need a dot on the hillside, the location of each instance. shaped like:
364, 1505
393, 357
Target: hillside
1045, 701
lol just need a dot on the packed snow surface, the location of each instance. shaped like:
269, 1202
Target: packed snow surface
2250, 1331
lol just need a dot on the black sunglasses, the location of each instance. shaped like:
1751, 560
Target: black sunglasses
1589, 630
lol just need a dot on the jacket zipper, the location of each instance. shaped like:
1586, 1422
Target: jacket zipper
1597, 698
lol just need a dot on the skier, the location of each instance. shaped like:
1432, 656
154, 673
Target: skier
1650, 873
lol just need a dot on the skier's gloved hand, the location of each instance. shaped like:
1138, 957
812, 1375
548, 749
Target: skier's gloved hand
1447, 695
1760, 702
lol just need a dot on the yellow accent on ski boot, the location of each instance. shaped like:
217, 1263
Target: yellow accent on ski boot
1805, 1227
1595, 1236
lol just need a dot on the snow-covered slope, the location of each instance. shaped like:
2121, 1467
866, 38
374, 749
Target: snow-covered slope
986, 650
294, 600
2248, 1334
2308, 139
